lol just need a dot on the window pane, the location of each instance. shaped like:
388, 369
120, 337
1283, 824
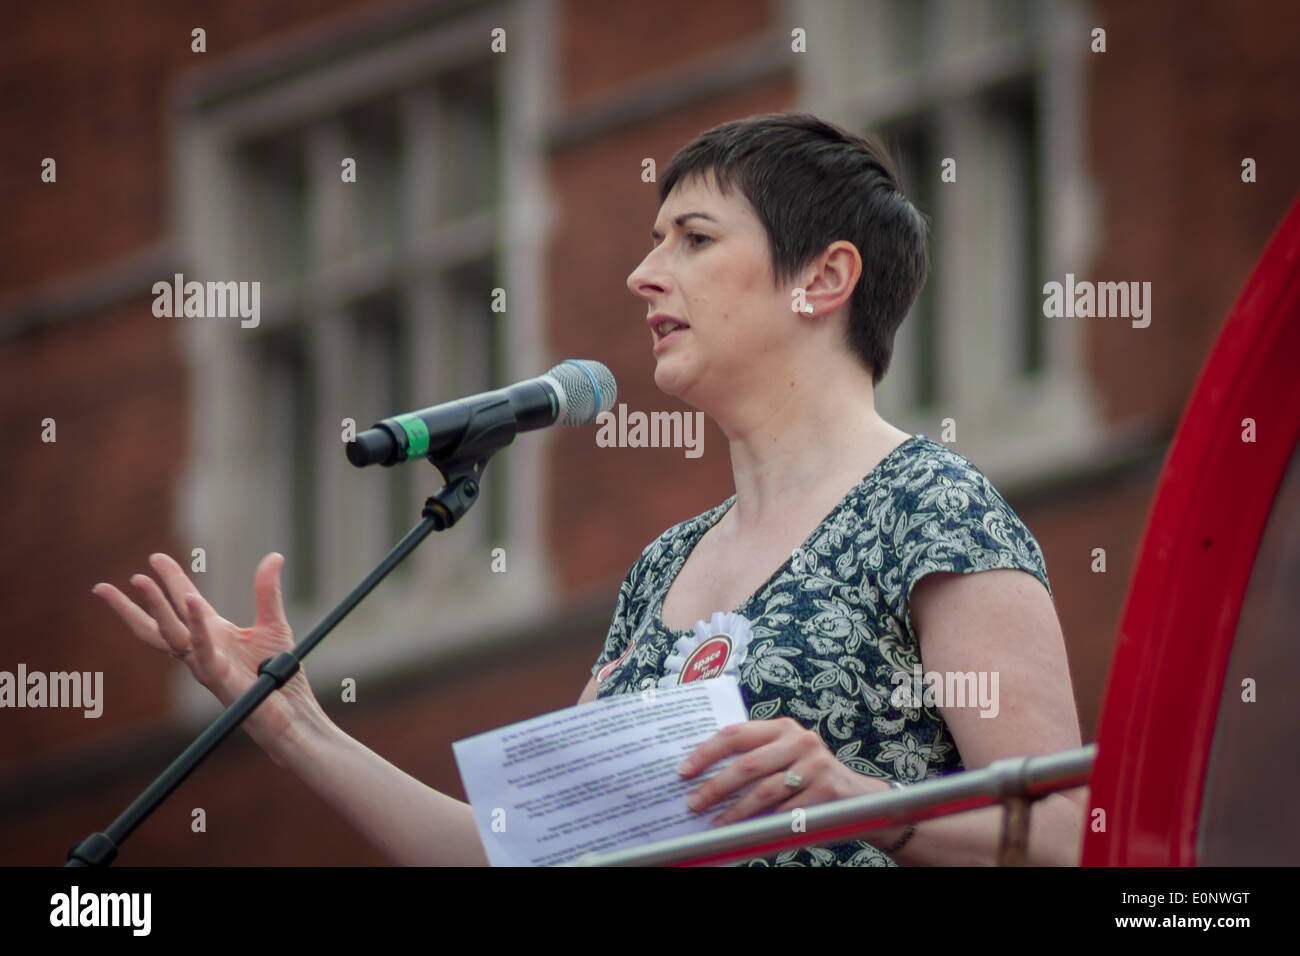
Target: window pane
1002, 18
914, 367
475, 337
906, 25
469, 143
288, 442
1016, 218
272, 180
383, 376
372, 135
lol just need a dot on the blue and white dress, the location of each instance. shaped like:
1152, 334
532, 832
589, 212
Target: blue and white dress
831, 629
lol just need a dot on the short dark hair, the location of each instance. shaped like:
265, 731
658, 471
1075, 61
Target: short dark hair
811, 183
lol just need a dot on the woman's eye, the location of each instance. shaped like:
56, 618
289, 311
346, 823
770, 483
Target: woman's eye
690, 236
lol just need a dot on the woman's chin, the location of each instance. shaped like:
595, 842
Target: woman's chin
670, 381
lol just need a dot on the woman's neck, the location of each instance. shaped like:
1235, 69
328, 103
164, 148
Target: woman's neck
776, 485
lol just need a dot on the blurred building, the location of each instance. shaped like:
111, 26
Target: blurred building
500, 146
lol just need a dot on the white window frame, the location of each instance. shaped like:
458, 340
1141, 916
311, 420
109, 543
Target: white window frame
450, 597
1018, 430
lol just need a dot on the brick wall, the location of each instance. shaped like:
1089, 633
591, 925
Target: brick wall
1174, 104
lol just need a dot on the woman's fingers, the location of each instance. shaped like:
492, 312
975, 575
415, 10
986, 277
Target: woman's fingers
269, 594
180, 621
174, 632
761, 748
141, 624
177, 583
756, 765
205, 654
766, 795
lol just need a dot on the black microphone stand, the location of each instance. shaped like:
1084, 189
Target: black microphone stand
489, 429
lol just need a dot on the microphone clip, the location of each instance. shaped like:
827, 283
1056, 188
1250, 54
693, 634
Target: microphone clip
490, 428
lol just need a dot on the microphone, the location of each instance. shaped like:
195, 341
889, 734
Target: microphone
572, 393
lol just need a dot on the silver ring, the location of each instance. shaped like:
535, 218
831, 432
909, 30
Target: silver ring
793, 780
180, 657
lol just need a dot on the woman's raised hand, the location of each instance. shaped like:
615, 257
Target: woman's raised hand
222, 657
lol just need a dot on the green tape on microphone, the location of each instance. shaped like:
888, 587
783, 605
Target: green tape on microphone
417, 435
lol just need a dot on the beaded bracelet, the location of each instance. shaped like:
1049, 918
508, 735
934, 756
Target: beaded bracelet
907, 834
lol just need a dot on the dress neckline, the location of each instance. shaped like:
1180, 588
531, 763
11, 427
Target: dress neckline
706, 521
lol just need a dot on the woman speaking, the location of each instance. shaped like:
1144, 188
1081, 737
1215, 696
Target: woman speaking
869, 651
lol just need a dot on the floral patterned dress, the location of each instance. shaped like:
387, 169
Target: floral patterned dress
831, 627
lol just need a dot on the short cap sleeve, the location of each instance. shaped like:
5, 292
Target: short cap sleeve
949, 517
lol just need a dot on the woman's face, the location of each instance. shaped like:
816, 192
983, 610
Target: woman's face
709, 267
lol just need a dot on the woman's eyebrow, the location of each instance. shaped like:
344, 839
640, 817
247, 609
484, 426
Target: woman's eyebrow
681, 220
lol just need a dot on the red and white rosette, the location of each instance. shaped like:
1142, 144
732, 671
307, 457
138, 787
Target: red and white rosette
718, 647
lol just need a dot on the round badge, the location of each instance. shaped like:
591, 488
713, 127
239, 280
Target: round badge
718, 647
707, 660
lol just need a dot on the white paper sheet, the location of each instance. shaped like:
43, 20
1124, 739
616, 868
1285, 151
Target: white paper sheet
596, 776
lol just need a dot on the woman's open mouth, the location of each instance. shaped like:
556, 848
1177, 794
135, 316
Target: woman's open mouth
674, 334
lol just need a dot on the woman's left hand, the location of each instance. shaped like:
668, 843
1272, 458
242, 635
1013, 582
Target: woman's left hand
769, 749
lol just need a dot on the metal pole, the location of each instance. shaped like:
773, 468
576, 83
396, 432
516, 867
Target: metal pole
1015, 832
1023, 778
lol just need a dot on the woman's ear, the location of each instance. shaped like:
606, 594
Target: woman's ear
835, 274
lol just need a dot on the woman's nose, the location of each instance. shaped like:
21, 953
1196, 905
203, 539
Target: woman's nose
644, 279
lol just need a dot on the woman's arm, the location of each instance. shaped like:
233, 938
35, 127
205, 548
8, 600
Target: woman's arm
998, 622
411, 823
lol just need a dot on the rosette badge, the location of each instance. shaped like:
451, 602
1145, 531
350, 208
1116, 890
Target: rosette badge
718, 647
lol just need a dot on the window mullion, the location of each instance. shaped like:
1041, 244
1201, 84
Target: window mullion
959, 301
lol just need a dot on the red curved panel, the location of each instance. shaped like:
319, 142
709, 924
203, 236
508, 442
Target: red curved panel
1198, 549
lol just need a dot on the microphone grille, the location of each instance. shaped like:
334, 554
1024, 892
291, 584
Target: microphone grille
587, 388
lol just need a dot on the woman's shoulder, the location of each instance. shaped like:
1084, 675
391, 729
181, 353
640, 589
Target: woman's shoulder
923, 474
936, 510
921, 455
